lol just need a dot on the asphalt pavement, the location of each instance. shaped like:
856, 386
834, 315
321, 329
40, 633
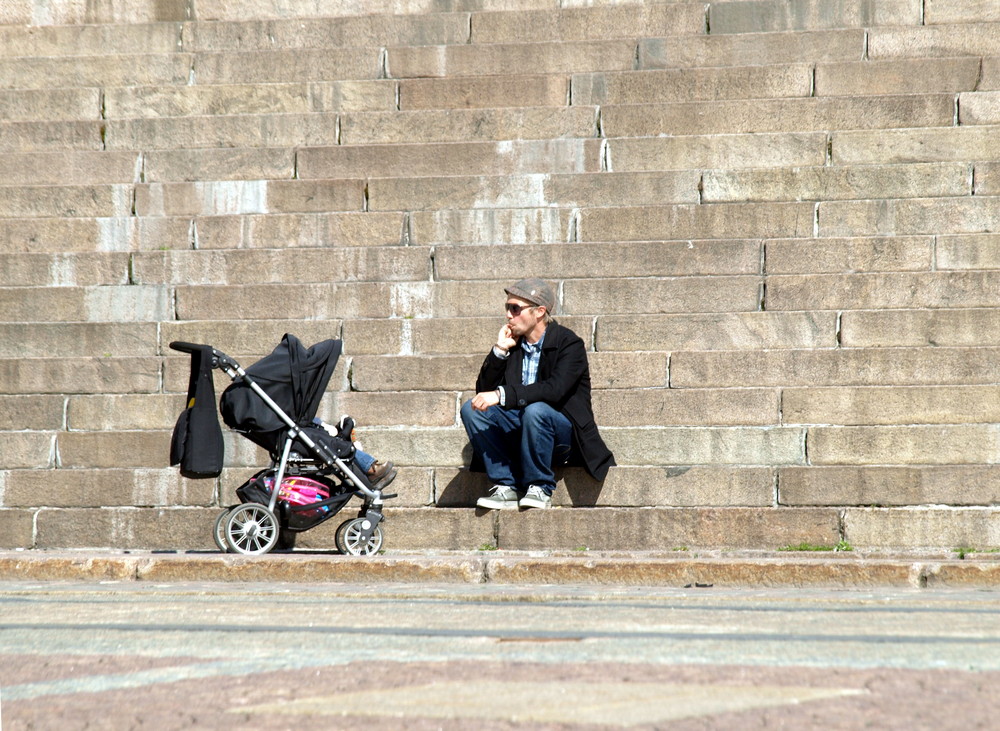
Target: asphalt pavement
115, 640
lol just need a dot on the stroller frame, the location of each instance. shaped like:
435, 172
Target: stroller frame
360, 536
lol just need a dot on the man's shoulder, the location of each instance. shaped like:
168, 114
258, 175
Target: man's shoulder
556, 334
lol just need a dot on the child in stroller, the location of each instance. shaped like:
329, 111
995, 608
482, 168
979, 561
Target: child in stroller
316, 466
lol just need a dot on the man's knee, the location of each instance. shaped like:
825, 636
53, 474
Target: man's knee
538, 414
468, 413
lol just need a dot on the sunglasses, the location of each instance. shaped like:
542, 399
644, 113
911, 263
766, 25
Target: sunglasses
516, 309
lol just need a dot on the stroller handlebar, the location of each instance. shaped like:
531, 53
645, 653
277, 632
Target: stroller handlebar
219, 359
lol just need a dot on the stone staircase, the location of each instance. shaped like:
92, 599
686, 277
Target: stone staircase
771, 220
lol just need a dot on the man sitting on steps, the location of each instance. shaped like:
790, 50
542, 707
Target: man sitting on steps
532, 408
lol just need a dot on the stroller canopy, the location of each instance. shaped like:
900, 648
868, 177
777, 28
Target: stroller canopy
292, 375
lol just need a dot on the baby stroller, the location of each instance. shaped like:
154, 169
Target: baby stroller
273, 403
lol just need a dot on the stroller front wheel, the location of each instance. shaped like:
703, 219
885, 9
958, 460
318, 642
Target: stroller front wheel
349, 538
251, 529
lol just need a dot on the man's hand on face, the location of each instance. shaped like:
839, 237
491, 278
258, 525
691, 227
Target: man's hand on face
505, 338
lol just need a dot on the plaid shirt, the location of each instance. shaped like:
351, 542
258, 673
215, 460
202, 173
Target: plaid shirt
529, 366
532, 355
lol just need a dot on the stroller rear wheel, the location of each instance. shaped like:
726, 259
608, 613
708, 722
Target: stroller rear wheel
349, 538
219, 532
251, 529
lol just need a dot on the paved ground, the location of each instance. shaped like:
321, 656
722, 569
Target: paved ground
127, 655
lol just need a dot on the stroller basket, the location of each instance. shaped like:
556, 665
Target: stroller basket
273, 403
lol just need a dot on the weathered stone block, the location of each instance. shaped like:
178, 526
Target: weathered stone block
304, 32
20, 137
706, 445
34, 412
515, 58
889, 486
826, 183
79, 375
93, 488
884, 253
145, 528
686, 407
226, 164
778, 115
913, 328
897, 76
758, 49
723, 331
987, 179
72, 339
424, 373
920, 528
973, 39
122, 412
848, 367
35, 104
24, 449
72, 167
63, 200
888, 290
513, 157
722, 221
17, 529
70, 269
395, 408
961, 444
534, 191
698, 84
248, 131
782, 15
718, 151
581, 260
961, 11
667, 528
891, 405
493, 226
281, 231
979, 107
114, 449
179, 101
483, 92
439, 336
248, 196
425, 447
350, 264
863, 147
466, 125
71, 72
975, 251
437, 529
294, 65
240, 337
64, 38
584, 23
974, 214
681, 294
308, 301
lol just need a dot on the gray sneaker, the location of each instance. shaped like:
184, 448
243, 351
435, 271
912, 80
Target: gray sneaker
536, 497
503, 497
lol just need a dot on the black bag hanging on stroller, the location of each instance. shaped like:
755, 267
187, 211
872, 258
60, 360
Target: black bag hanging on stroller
196, 443
273, 403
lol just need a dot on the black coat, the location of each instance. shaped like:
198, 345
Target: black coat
563, 383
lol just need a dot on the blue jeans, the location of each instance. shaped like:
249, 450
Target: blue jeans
519, 446
364, 460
